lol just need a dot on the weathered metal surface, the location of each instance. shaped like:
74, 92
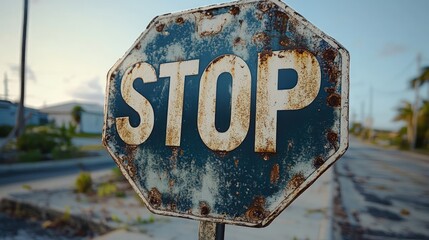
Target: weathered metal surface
207, 231
227, 113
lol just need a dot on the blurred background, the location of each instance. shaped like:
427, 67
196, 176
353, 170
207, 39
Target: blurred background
378, 190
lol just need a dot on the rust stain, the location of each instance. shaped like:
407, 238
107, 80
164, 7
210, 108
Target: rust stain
261, 37
160, 27
132, 171
256, 211
173, 206
171, 183
333, 73
332, 137
334, 100
174, 154
329, 55
296, 181
265, 6
128, 160
264, 55
112, 77
281, 21
180, 20
318, 162
266, 157
208, 14
275, 174
138, 46
154, 197
234, 10
237, 40
284, 41
236, 161
204, 208
330, 90
221, 154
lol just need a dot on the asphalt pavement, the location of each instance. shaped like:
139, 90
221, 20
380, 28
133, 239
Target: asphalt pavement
27, 172
382, 194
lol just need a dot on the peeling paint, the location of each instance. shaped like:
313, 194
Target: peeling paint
236, 154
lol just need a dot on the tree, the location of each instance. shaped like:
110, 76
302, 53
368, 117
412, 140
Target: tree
76, 114
422, 78
423, 125
405, 113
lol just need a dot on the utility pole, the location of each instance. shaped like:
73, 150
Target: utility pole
371, 118
362, 112
416, 104
20, 119
6, 90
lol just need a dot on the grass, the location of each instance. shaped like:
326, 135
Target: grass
317, 210
87, 135
94, 147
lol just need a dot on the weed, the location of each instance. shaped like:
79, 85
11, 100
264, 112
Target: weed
83, 183
107, 189
115, 218
26, 187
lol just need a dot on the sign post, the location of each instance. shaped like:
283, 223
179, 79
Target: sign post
226, 114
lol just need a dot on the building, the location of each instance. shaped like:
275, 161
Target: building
8, 112
91, 116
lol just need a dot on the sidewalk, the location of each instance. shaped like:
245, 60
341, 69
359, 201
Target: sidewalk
307, 218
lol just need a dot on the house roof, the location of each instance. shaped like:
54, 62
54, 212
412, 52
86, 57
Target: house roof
68, 106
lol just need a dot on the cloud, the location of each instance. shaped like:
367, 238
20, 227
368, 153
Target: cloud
29, 73
89, 90
390, 50
69, 79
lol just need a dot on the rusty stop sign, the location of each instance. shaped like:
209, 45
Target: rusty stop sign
227, 113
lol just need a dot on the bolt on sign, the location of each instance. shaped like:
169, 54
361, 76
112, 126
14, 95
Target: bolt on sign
227, 113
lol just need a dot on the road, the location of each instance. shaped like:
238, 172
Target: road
382, 194
48, 170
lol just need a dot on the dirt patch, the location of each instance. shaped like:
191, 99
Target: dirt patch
58, 222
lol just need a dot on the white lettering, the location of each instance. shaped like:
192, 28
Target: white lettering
269, 99
136, 135
240, 103
177, 72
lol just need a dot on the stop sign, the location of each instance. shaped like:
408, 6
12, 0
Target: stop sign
227, 113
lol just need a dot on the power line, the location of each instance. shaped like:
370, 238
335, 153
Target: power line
404, 70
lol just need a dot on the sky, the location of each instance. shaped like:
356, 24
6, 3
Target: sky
71, 46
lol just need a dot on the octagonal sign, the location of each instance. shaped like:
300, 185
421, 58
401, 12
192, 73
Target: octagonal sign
227, 113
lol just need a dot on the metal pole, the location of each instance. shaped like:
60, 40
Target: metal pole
20, 121
416, 105
371, 117
211, 231
6, 91
220, 231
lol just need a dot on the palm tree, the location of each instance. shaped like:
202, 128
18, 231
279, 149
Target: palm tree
421, 79
405, 113
76, 114
423, 125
